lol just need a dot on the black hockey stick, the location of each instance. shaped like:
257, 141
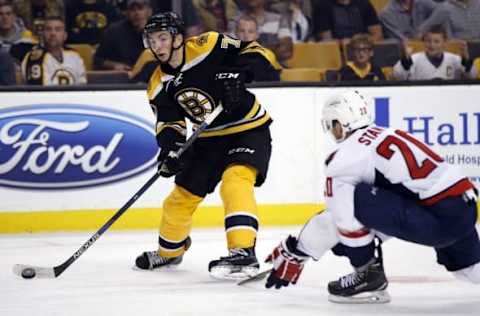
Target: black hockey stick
28, 272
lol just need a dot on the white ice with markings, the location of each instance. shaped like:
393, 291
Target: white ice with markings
102, 281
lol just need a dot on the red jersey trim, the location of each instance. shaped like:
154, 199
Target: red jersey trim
354, 234
455, 190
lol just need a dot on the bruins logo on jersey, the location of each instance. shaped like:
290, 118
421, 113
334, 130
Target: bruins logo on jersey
63, 77
202, 39
195, 102
90, 20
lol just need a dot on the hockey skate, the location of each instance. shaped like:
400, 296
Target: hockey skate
150, 260
367, 286
239, 265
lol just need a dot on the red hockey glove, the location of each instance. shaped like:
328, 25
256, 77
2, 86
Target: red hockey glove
287, 263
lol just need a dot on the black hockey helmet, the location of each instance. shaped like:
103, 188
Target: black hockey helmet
166, 21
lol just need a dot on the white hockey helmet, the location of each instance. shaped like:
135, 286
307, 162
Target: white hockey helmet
350, 109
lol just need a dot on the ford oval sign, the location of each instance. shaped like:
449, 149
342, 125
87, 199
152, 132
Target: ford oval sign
62, 146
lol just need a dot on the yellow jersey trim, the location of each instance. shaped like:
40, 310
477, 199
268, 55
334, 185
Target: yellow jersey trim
179, 126
237, 129
269, 55
155, 84
197, 48
362, 73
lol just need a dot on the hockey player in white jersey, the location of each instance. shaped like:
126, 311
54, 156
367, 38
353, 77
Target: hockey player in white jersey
381, 182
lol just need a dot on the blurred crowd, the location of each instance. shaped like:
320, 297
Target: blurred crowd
48, 42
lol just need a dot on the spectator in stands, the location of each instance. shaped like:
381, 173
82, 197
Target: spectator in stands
186, 9
122, 42
33, 12
51, 63
215, 14
403, 19
7, 69
361, 67
274, 31
434, 62
341, 19
294, 11
247, 31
12, 30
460, 17
87, 19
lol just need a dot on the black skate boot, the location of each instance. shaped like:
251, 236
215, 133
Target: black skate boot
241, 264
367, 284
150, 260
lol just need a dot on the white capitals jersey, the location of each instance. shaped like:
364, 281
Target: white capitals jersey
422, 69
39, 67
390, 159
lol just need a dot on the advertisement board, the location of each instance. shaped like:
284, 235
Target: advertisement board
88, 152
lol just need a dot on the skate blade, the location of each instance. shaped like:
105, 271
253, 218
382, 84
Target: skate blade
233, 273
376, 297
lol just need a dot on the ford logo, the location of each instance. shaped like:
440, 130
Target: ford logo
64, 146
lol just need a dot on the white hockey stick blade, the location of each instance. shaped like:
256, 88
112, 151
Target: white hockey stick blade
258, 277
377, 297
44, 273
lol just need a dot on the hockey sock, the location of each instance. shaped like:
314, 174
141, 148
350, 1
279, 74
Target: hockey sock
176, 224
241, 220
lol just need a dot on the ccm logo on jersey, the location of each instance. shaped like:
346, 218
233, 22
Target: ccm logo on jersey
64, 146
241, 150
227, 75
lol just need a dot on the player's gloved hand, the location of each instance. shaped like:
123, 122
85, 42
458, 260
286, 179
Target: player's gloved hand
231, 83
287, 262
172, 164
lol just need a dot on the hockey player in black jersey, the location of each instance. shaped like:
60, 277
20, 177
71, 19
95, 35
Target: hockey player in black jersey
193, 77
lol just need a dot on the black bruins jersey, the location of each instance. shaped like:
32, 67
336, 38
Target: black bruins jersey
351, 73
192, 91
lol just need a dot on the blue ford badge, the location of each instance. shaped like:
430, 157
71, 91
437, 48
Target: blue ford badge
62, 146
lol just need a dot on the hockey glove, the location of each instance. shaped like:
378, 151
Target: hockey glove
172, 164
231, 83
287, 263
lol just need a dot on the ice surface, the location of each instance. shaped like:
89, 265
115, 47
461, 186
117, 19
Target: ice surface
102, 281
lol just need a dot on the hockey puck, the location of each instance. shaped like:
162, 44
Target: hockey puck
28, 273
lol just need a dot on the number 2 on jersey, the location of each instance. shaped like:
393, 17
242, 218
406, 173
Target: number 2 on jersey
403, 143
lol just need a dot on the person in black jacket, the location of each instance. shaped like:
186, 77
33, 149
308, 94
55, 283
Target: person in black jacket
121, 42
7, 69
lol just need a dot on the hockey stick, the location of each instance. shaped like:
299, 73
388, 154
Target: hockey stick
28, 272
257, 277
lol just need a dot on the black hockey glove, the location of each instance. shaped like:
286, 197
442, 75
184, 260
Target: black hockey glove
288, 263
172, 164
231, 83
